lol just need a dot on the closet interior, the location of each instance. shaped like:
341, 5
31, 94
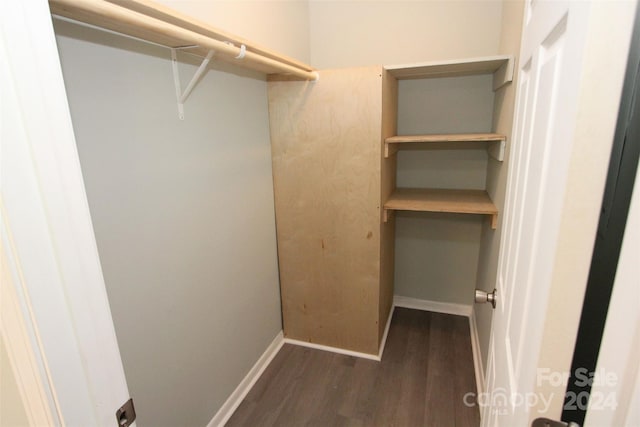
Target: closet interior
380, 174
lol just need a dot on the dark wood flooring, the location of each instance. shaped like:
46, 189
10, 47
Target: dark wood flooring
426, 369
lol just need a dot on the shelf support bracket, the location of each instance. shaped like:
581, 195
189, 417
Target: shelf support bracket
496, 149
390, 149
494, 221
387, 214
504, 74
180, 95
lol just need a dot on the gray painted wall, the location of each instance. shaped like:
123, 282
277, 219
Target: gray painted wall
183, 216
437, 254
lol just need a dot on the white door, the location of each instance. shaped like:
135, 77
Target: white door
554, 35
47, 242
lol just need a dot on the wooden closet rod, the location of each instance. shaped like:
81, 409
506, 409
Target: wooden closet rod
123, 20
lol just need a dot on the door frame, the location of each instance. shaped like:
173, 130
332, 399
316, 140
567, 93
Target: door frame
603, 274
47, 234
617, 366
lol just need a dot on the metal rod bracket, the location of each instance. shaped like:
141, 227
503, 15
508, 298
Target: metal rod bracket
180, 95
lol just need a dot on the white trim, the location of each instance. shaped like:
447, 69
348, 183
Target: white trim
46, 210
398, 301
21, 340
238, 395
338, 350
434, 306
383, 342
332, 349
477, 355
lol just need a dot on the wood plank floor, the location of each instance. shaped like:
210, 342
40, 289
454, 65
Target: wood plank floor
426, 369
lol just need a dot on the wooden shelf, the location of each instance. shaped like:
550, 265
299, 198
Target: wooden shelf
500, 66
454, 137
494, 142
155, 23
439, 200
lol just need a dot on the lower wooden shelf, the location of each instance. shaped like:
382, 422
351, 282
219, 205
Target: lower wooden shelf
494, 142
440, 200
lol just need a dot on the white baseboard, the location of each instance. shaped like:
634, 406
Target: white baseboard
435, 306
477, 355
238, 395
377, 357
332, 349
232, 403
383, 342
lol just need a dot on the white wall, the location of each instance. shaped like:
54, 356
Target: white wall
348, 33
281, 25
437, 254
183, 216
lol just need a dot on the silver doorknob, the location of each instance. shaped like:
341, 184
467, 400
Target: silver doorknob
482, 297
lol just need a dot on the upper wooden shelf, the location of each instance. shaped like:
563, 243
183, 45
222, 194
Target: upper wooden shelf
154, 23
501, 66
441, 200
496, 150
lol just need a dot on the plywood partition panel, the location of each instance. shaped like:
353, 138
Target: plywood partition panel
388, 184
326, 148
